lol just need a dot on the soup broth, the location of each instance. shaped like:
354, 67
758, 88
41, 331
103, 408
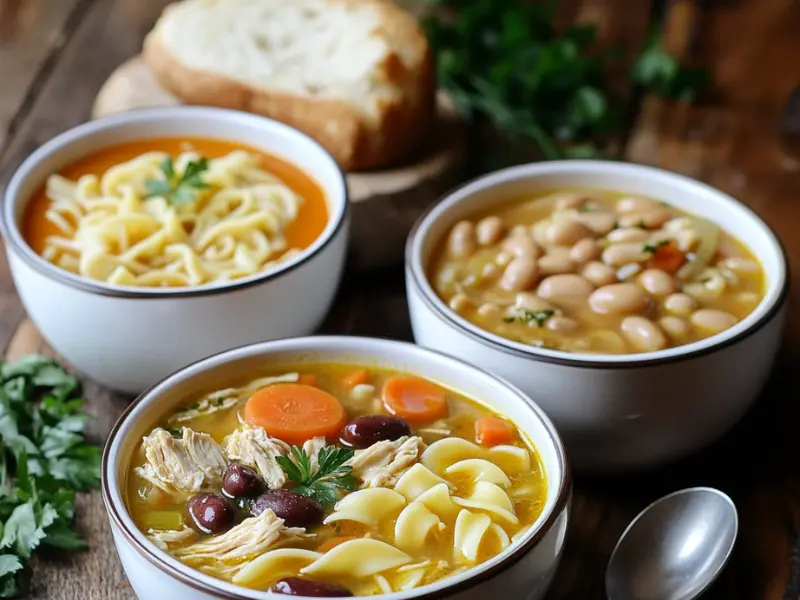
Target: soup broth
596, 271
430, 482
61, 218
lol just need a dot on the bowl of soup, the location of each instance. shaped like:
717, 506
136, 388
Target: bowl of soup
331, 467
144, 241
641, 309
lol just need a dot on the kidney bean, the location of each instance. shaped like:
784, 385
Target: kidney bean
295, 586
295, 509
211, 512
240, 481
364, 431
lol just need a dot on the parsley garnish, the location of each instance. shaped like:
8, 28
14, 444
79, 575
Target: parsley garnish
584, 208
328, 482
178, 189
653, 248
44, 461
536, 316
508, 319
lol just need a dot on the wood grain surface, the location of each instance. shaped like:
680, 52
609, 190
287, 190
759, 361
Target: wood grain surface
55, 54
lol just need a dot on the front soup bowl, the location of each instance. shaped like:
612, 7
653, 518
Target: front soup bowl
523, 570
127, 337
615, 412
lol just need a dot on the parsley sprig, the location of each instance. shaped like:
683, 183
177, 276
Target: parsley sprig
178, 189
655, 247
532, 316
327, 483
44, 461
505, 61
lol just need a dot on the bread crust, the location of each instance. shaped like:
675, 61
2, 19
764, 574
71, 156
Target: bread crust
355, 142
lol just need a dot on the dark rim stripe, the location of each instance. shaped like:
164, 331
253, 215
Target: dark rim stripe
562, 497
438, 307
10, 230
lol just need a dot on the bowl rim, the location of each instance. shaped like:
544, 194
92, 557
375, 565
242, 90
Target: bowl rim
11, 232
415, 271
114, 504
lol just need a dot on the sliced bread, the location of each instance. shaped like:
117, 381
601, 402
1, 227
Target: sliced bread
356, 75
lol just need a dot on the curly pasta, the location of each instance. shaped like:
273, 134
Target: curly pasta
110, 231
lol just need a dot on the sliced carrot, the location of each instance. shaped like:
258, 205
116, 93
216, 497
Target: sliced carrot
491, 431
333, 542
308, 379
668, 258
356, 378
414, 399
294, 412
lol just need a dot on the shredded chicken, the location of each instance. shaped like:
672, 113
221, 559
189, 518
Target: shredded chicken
188, 464
228, 553
382, 464
164, 538
254, 448
312, 448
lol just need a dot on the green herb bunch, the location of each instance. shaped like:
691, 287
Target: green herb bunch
44, 461
505, 61
331, 479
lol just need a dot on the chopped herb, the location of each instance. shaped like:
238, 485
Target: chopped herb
326, 484
176, 433
615, 225
178, 189
536, 316
705, 280
641, 225
508, 319
584, 208
653, 248
44, 461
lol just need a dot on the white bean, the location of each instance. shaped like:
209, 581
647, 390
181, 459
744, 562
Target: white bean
490, 271
657, 282
618, 298
571, 201
503, 258
565, 233
584, 250
599, 274
531, 302
740, 265
711, 321
635, 203
679, 304
555, 262
488, 310
625, 272
460, 303
643, 334
599, 222
675, 327
489, 230
565, 290
520, 274
519, 231
560, 324
617, 255
646, 218
461, 243
628, 234
362, 392
522, 245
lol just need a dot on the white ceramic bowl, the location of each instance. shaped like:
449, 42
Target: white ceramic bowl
614, 412
524, 570
127, 338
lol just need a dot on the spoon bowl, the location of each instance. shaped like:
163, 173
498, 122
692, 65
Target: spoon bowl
675, 548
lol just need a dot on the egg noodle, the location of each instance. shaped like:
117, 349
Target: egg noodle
111, 231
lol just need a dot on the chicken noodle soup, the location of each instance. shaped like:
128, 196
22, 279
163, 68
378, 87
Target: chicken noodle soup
596, 271
330, 480
175, 212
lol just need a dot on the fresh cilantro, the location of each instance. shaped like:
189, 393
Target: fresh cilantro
44, 460
178, 189
325, 484
653, 248
506, 62
536, 316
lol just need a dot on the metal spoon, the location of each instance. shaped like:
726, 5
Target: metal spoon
674, 548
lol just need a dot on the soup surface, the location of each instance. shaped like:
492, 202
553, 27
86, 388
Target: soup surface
175, 212
330, 480
596, 271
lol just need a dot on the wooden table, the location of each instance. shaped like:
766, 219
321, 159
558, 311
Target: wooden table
55, 54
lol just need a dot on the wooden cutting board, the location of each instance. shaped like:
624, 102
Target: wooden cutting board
385, 203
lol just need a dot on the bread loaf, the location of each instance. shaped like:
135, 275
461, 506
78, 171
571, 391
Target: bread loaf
356, 75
